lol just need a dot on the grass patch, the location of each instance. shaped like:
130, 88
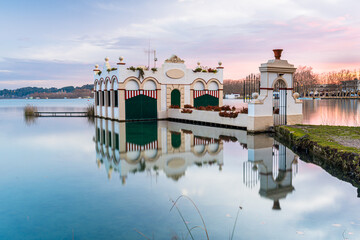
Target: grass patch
342, 138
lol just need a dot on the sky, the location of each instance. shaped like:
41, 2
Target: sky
57, 43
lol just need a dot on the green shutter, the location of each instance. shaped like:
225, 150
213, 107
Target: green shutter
206, 100
175, 98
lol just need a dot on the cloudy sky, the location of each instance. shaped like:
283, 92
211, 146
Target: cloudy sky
57, 43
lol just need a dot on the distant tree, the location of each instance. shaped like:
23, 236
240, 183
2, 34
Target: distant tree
233, 86
335, 77
304, 78
41, 92
68, 89
87, 86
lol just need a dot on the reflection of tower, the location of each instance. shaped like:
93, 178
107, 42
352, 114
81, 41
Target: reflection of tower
274, 163
250, 174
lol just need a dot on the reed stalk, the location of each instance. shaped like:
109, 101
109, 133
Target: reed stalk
30, 114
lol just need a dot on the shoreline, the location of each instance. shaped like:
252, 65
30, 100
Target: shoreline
326, 146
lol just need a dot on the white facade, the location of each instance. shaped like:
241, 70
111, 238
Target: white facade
165, 92
124, 81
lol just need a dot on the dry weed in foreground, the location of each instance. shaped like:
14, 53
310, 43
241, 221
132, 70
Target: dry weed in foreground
188, 228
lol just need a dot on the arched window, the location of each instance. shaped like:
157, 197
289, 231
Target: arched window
150, 85
132, 85
199, 86
213, 86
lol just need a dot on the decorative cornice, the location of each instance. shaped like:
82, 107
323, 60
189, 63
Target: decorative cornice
174, 59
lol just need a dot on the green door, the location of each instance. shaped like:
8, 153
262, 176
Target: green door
141, 107
175, 98
206, 100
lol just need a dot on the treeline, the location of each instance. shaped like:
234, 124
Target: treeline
83, 93
304, 79
305, 76
335, 77
69, 91
233, 86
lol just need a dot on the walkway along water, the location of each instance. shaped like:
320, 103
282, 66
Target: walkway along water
61, 114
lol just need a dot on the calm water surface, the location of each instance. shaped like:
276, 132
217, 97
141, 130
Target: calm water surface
66, 178
332, 112
345, 112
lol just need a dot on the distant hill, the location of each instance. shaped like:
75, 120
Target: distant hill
69, 91
230, 86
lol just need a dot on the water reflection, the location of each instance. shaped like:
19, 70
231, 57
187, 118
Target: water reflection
128, 148
332, 112
323, 112
69, 197
157, 146
271, 164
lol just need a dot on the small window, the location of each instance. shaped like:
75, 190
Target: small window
116, 99
109, 137
97, 98
117, 141
109, 99
102, 98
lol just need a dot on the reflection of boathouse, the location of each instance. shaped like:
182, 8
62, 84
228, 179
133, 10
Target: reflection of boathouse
271, 163
129, 147
129, 93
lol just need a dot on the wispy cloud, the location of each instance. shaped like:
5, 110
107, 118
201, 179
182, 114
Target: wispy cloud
323, 34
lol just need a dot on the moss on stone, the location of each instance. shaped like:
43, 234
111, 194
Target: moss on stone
327, 136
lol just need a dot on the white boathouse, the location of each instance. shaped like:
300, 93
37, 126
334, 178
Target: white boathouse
178, 93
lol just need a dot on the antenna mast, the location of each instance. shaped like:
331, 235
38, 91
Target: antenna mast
149, 52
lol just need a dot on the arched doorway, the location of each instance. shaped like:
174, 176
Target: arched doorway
139, 104
175, 98
279, 103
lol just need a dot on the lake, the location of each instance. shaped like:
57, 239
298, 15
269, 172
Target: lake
68, 178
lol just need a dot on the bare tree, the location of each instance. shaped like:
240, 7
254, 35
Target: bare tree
304, 79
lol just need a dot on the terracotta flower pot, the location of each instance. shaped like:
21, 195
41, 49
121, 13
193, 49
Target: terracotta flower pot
277, 53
